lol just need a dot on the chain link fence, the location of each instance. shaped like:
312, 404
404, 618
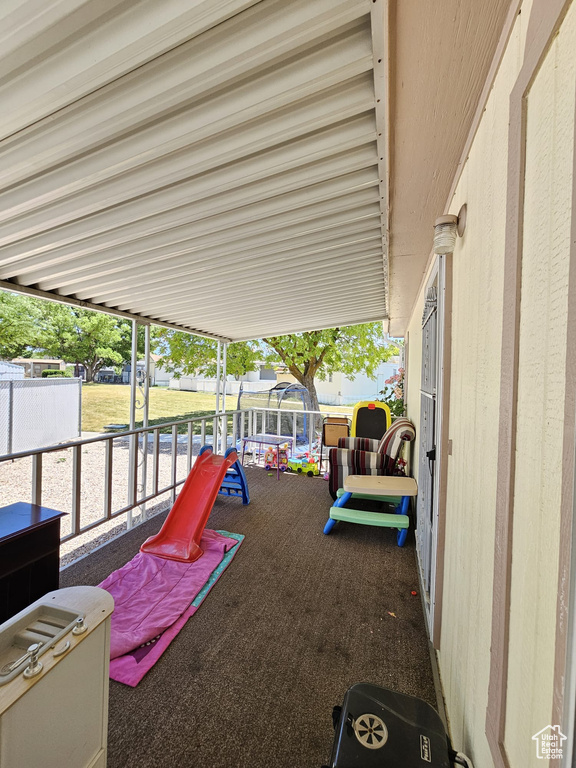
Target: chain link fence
35, 413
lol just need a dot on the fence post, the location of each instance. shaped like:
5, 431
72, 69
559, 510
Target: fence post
10, 415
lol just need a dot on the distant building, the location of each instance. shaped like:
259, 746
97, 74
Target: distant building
339, 389
33, 366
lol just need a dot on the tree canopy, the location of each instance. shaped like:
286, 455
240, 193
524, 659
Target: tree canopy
83, 336
94, 339
18, 325
31, 326
183, 353
351, 350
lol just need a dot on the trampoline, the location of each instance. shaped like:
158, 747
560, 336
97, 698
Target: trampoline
285, 395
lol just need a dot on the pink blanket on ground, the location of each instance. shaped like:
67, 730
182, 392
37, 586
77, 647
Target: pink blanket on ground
151, 594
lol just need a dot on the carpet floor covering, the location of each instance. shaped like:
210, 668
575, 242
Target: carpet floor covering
296, 619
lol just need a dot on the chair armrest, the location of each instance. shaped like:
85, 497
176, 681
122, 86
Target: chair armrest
358, 443
343, 462
348, 458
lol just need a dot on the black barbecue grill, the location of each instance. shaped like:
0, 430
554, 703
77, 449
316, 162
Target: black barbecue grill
379, 728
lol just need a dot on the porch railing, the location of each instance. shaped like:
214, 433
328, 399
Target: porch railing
126, 471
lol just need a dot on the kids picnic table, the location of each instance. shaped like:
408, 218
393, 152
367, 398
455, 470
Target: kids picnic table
388, 488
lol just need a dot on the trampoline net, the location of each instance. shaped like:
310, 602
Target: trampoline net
282, 397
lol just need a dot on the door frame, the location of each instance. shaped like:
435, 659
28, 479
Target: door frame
441, 273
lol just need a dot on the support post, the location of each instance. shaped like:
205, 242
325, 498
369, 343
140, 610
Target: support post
215, 433
224, 366
224, 436
145, 418
218, 355
133, 453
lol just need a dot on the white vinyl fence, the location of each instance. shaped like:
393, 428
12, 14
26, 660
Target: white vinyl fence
35, 413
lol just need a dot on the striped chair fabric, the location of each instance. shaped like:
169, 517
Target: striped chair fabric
363, 456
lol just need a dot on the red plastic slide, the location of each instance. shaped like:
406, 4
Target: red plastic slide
179, 537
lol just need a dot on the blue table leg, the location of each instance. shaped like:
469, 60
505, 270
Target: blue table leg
340, 502
402, 509
329, 525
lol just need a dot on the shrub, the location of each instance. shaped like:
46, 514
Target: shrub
52, 374
393, 393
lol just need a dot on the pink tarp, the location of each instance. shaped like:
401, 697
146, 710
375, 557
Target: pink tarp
153, 600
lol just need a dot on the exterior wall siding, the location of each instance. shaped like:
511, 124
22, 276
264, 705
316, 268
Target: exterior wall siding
478, 285
541, 392
478, 300
478, 303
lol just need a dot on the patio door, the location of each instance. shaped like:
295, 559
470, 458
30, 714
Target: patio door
429, 435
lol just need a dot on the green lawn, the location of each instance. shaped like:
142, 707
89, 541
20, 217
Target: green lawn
104, 404
110, 404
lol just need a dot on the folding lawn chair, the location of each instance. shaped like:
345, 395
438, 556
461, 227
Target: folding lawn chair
333, 428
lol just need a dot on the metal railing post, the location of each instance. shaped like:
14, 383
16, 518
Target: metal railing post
220, 427
174, 467
132, 477
108, 468
155, 460
76, 488
189, 447
37, 479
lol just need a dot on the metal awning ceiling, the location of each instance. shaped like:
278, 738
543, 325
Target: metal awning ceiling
217, 166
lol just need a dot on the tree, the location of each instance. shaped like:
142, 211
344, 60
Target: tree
18, 325
183, 353
82, 336
350, 350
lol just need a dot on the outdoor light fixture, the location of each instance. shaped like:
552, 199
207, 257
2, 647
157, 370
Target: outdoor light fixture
445, 230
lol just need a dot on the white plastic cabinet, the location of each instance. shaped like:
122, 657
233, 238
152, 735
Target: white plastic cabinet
57, 717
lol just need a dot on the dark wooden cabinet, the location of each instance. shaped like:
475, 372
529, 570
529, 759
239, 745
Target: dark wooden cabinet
29, 555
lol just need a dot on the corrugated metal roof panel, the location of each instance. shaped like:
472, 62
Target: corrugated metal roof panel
219, 168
